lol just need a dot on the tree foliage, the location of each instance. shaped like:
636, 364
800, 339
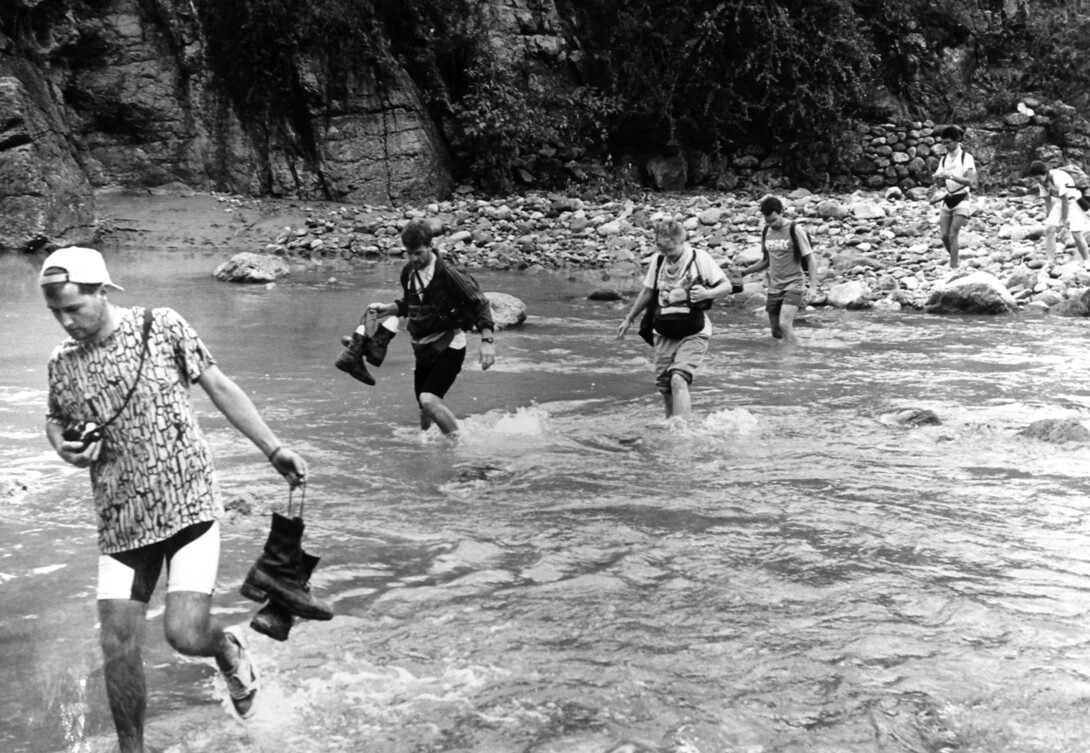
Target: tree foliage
716, 75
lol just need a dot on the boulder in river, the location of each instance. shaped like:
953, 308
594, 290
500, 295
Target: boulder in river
248, 267
973, 293
507, 310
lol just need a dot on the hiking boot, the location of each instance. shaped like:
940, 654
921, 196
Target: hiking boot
242, 680
374, 347
274, 620
277, 575
350, 361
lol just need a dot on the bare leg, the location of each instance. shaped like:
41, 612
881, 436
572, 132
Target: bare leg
787, 323
122, 640
1050, 243
190, 629
950, 227
437, 412
680, 403
774, 322
1080, 244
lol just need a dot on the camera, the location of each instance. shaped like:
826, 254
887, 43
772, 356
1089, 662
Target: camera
84, 432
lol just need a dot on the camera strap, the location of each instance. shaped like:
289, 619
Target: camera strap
139, 369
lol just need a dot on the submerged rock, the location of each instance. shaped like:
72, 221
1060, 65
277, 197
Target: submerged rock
1058, 430
912, 417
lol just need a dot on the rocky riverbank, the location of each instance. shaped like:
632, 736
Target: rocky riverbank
878, 249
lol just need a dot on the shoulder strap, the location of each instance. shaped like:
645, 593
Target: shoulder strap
139, 369
658, 267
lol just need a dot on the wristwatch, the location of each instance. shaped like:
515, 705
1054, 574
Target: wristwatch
488, 340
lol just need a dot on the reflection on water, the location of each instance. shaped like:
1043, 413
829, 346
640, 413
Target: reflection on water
792, 572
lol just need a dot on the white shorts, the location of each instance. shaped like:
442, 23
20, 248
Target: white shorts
1077, 219
192, 557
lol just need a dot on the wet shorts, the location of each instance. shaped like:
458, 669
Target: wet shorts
438, 376
192, 558
678, 356
776, 301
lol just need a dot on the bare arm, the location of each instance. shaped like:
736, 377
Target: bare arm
240, 410
702, 293
754, 268
638, 306
807, 252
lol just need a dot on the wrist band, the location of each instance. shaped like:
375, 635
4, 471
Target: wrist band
272, 454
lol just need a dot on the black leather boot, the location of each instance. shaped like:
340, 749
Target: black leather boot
274, 620
374, 347
350, 361
278, 574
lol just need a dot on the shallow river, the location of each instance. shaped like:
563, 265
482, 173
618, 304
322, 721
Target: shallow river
792, 573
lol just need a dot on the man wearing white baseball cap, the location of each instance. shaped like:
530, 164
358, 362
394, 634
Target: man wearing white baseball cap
119, 404
76, 264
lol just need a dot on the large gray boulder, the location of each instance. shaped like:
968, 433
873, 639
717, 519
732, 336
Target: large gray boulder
668, 173
972, 293
251, 268
507, 310
850, 295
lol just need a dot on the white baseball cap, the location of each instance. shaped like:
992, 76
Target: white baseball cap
75, 264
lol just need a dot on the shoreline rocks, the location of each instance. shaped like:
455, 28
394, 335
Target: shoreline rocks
876, 249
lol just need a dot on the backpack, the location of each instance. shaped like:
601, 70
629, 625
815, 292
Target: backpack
1082, 182
801, 260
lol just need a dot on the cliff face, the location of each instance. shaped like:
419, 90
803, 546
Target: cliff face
118, 92
96, 93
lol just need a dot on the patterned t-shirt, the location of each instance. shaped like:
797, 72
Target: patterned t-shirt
154, 473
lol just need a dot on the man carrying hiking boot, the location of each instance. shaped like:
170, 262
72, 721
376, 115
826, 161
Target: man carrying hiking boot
441, 304
119, 404
368, 343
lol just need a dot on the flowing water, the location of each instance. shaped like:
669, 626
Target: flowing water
792, 572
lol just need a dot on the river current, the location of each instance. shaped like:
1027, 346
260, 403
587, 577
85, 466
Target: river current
792, 572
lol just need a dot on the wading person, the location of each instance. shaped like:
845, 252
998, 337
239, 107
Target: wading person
789, 259
957, 170
119, 405
1062, 207
441, 303
681, 283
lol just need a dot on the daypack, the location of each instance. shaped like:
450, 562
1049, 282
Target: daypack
802, 260
1082, 182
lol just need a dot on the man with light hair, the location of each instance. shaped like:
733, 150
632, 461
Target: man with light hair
119, 405
681, 283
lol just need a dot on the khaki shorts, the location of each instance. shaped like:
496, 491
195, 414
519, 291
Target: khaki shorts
682, 356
